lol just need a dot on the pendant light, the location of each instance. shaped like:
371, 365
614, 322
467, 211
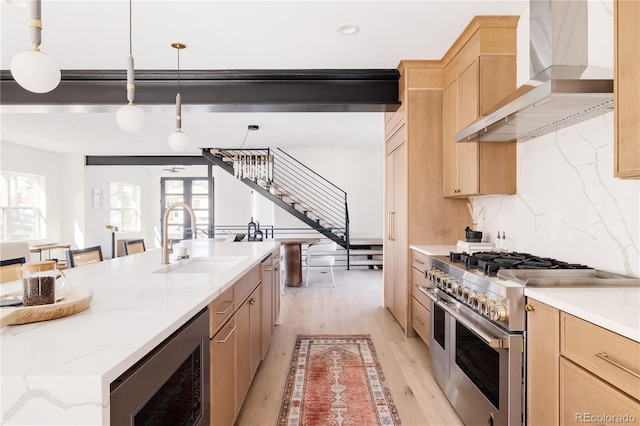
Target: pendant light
129, 117
34, 70
178, 141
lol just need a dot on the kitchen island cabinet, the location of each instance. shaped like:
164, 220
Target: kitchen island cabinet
480, 73
59, 372
236, 347
627, 89
578, 371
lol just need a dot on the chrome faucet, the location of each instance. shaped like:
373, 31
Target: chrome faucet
167, 246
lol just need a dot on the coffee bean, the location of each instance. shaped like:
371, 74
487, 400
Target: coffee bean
38, 291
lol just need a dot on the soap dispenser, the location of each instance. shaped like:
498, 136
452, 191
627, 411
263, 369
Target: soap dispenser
251, 230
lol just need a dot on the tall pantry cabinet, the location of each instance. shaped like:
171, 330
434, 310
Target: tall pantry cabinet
415, 211
627, 89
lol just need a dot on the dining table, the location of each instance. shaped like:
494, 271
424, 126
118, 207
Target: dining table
293, 258
39, 248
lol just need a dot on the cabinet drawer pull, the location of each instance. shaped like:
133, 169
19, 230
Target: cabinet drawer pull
605, 357
419, 261
230, 302
227, 336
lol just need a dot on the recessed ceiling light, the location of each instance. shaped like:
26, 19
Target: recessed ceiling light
348, 29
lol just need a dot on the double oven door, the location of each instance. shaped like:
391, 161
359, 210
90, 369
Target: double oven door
478, 365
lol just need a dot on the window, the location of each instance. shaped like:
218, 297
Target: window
125, 206
23, 204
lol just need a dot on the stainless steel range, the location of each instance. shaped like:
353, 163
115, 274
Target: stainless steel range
478, 326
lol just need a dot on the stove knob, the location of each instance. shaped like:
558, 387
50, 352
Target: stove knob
430, 273
476, 302
486, 305
460, 290
453, 286
498, 312
468, 295
440, 280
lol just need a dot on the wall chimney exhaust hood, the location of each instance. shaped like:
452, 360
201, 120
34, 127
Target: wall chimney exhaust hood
563, 89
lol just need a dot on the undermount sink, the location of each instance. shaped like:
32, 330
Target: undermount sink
203, 265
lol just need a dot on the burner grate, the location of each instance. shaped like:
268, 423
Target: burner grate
491, 262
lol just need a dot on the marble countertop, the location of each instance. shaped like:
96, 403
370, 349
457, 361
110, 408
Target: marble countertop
434, 250
616, 309
59, 371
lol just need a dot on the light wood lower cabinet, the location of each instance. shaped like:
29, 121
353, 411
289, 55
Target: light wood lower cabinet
270, 297
223, 355
543, 352
236, 345
587, 399
420, 303
578, 372
248, 344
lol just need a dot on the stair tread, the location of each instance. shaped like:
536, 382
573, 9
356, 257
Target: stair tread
365, 262
373, 252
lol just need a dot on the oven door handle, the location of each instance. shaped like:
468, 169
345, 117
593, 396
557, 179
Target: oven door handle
494, 342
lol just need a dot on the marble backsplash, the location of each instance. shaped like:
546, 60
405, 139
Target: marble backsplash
568, 204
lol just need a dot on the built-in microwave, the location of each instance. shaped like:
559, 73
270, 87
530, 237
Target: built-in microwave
169, 386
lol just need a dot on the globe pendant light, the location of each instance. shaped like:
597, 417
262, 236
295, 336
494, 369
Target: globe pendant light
129, 117
178, 141
34, 70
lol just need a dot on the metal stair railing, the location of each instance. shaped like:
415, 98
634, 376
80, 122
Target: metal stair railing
296, 188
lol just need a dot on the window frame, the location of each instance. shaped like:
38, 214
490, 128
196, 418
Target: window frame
134, 212
7, 206
187, 198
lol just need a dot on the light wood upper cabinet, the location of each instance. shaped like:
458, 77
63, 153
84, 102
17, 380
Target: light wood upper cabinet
475, 83
627, 89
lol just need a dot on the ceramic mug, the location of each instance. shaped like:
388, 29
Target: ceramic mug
40, 280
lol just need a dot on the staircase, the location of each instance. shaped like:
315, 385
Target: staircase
295, 188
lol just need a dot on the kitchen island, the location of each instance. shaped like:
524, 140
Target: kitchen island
59, 372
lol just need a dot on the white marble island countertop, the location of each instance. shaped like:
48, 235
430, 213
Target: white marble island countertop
58, 372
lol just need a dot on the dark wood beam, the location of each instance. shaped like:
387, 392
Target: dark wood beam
146, 160
352, 90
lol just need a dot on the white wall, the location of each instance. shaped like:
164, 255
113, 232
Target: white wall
359, 172
20, 159
568, 204
72, 218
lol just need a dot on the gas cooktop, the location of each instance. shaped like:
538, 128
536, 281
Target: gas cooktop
531, 270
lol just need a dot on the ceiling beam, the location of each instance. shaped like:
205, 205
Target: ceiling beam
317, 90
146, 160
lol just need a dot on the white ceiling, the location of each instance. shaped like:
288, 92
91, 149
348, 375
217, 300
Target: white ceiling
227, 35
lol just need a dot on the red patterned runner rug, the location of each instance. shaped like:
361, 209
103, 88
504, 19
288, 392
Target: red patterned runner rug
336, 380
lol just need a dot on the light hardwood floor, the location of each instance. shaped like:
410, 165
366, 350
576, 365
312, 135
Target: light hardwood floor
355, 306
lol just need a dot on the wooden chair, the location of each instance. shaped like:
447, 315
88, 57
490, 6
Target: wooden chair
133, 246
10, 269
84, 256
317, 257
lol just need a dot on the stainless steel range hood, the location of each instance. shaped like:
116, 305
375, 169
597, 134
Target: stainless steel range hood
563, 89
